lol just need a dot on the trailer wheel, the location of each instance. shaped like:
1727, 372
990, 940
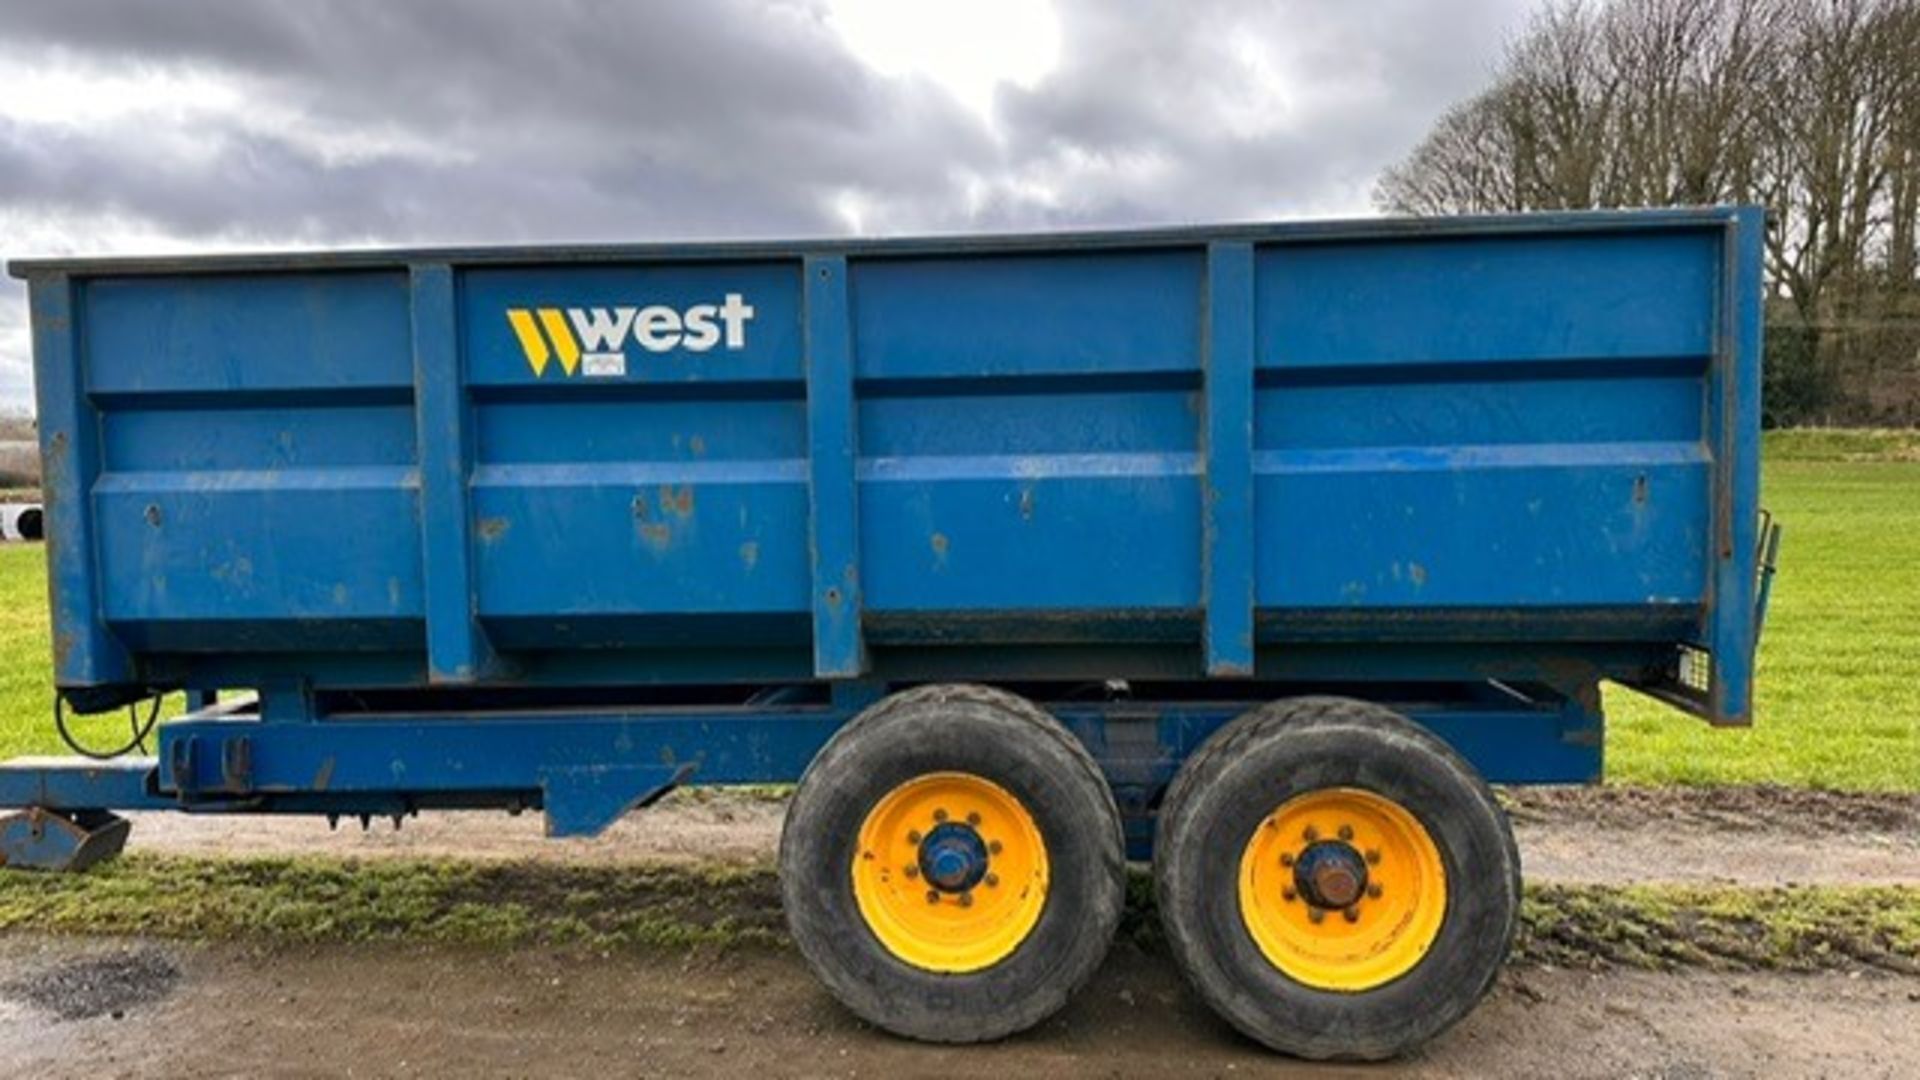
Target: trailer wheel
952, 864
1335, 881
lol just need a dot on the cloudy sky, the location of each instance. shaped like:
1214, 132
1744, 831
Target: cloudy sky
129, 127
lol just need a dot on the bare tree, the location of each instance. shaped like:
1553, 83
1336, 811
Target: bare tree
1468, 164
1628, 104
1684, 124
1900, 38
1825, 128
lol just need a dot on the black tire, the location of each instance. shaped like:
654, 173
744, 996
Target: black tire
1257, 763
1015, 744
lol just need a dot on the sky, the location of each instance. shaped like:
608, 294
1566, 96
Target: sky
130, 127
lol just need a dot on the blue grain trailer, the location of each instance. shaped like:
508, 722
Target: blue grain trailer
1254, 551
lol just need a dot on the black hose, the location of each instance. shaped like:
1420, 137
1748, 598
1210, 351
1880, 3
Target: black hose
137, 742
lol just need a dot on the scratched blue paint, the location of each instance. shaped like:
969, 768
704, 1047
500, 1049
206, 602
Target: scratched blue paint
1371, 452
838, 591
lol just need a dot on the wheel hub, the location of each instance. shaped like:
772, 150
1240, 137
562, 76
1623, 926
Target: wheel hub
953, 857
1342, 889
950, 872
1330, 874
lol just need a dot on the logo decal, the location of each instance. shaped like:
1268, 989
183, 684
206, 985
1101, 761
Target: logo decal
592, 341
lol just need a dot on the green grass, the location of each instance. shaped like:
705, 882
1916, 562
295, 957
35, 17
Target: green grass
506, 905
1838, 696
1843, 444
313, 900
1668, 926
26, 654
1839, 684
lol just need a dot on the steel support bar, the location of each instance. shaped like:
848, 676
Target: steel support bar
84, 652
1227, 454
586, 768
457, 650
839, 650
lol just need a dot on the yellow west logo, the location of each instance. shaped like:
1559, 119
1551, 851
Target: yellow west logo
593, 341
544, 335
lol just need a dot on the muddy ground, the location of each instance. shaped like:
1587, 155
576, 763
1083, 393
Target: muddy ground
86, 1007
1746, 836
90, 1008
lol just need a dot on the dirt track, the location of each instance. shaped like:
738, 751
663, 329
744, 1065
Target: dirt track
1749, 836
222, 1010
91, 1007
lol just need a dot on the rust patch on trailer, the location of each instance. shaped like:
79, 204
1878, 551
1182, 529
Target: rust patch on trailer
492, 528
323, 776
938, 542
656, 534
698, 445
1026, 502
678, 502
750, 554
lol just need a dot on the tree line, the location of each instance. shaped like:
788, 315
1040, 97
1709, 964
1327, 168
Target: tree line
1808, 107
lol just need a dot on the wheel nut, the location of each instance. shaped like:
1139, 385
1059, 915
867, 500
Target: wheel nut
1289, 894
1314, 915
1352, 914
973, 819
993, 881
1373, 856
1310, 834
1286, 858
939, 815
913, 836
993, 848
912, 871
1373, 892
1346, 832
933, 896
966, 899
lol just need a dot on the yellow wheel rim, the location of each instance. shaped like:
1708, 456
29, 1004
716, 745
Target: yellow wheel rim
1342, 889
950, 873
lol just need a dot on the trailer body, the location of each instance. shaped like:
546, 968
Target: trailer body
562, 527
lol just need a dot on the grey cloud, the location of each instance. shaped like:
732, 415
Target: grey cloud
513, 121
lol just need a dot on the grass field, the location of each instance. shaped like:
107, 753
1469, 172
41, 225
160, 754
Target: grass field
601, 908
1839, 695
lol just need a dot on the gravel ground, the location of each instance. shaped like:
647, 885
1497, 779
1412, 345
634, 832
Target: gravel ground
749, 1012
1748, 836
88, 1007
